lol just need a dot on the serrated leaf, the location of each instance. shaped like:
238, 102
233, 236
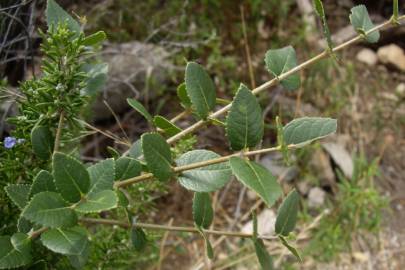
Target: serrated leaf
95, 38
102, 175
200, 89
43, 181
140, 108
24, 225
15, 251
264, 258
182, 94
126, 167
97, 202
42, 142
70, 241
157, 155
79, 261
204, 179
279, 61
168, 127
257, 178
362, 23
244, 124
203, 213
302, 131
287, 214
18, 194
136, 149
71, 177
49, 209
292, 249
55, 15
138, 238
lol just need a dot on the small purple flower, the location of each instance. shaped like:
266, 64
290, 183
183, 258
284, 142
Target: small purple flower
9, 142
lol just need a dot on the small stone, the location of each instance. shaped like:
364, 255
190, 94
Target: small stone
341, 157
400, 90
322, 167
392, 54
275, 164
367, 56
316, 197
251, 195
265, 223
303, 187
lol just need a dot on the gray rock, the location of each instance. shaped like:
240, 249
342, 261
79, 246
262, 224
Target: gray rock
341, 157
265, 223
274, 163
133, 68
322, 167
316, 197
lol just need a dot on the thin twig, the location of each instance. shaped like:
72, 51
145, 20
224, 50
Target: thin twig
191, 166
171, 228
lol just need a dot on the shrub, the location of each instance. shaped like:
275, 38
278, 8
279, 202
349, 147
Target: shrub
59, 196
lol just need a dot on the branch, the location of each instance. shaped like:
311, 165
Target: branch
191, 166
282, 76
171, 228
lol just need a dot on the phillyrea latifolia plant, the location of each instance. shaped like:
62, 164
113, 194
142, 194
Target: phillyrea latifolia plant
64, 196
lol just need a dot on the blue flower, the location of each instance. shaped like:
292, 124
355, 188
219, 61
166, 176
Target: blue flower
9, 142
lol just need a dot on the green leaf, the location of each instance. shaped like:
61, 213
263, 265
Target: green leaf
71, 177
280, 61
264, 258
157, 155
95, 38
15, 251
71, 241
321, 13
208, 247
138, 239
287, 214
49, 209
79, 261
244, 123
97, 202
140, 108
168, 127
55, 15
24, 225
43, 181
292, 249
182, 94
200, 89
362, 23
42, 142
203, 179
126, 167
136, 149
96, 77
257, 178
203, 213
18, 194
102, 175
302, 131
122, 199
